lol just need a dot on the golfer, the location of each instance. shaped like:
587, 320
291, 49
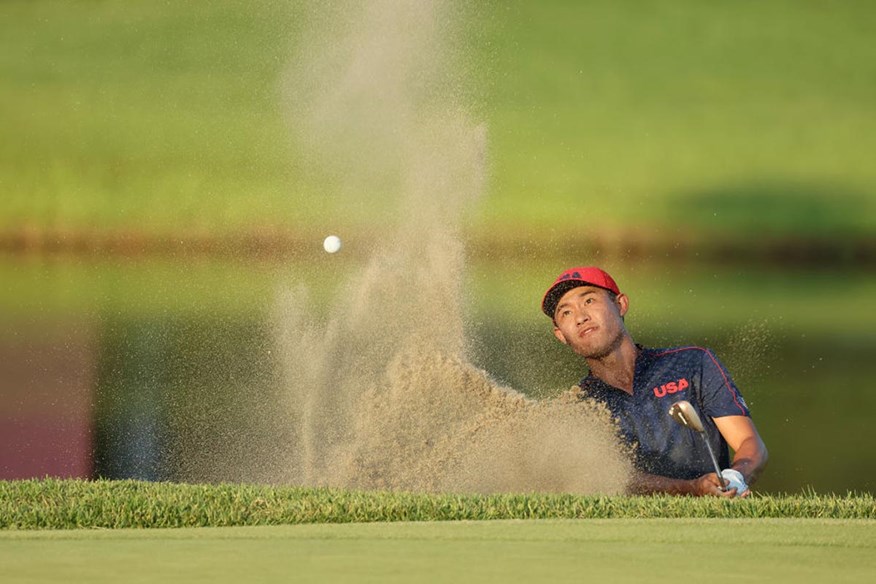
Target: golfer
638, 385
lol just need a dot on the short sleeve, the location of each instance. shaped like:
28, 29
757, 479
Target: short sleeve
720, 396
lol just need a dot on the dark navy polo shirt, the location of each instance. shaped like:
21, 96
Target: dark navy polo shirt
662, 377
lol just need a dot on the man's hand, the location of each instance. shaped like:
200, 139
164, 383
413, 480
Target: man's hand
708, 484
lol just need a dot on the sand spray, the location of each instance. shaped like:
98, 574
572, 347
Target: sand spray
378, 393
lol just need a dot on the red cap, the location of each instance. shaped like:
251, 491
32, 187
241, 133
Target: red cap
573, 278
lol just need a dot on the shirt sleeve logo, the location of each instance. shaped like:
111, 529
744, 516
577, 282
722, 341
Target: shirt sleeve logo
671, 387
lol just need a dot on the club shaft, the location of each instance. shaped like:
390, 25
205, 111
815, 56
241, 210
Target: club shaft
714, 461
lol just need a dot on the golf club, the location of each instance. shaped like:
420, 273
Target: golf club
685, 414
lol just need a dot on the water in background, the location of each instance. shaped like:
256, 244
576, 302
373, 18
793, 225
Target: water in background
125, 376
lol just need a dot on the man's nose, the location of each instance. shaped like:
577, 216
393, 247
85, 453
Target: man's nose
581, 316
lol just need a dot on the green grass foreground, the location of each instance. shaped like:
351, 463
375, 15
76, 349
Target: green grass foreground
600, 550
75, 504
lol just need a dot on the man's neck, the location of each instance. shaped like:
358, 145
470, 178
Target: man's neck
618, 367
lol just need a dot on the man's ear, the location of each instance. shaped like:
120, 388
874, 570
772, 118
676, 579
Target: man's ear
559, 334
623, 303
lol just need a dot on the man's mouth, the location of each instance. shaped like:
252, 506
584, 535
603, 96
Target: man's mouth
586, 331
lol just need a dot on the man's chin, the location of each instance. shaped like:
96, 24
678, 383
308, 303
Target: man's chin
593, 352
599, 352
594, 355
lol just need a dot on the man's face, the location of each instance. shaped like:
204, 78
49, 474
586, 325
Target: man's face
590, 321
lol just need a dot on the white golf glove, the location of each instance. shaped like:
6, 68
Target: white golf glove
734, 479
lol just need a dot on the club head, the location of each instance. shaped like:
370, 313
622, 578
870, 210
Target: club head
685, 414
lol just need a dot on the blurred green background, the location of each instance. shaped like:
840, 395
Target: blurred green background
715, 157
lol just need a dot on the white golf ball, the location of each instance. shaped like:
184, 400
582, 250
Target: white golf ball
332, 243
